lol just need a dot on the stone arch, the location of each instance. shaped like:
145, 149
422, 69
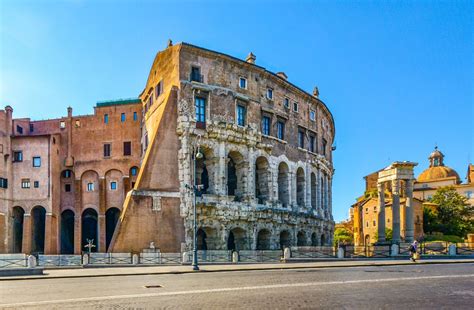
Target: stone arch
114, 193
18, 214
314, 239
111, 218
262, 179
67, 232
90, 228
237, 239
207, 238
205, 170
323, 239
283, 184
235, 174
313, 190
301, 238
300, 187
285, 239
38, 229
263, 239
90, 193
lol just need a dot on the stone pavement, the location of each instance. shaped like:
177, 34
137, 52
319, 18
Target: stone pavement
107, 271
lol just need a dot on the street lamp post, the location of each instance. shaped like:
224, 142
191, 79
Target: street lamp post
197, 155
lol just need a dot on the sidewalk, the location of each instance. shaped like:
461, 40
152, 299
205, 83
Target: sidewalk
180, 269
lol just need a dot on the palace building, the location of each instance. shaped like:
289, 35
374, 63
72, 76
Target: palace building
125, 175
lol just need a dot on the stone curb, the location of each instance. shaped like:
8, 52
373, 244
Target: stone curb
289, 267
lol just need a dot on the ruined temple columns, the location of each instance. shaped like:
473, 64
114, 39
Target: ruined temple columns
381, 214
396, 210
409, 222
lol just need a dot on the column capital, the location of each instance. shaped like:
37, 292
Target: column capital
396, 187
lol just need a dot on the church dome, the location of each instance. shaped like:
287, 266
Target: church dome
437, 169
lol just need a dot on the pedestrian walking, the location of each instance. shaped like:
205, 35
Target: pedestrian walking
414, 251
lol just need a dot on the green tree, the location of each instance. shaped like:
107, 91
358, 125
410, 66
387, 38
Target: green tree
453, 215
342, 235
388, 234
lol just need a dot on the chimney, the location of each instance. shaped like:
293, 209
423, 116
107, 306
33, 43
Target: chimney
316, 92
282, 75
251, 58
69, 112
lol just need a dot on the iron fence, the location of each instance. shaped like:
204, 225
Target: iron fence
262, 256
465, 248
13, 260
314, 252
434, 248
212, 256
59, 260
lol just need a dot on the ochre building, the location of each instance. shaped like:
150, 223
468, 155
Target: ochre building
263, 174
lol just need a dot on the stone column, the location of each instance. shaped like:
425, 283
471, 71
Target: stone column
101, 233
409, 220
26, 242
221, 186
318, 191
48, 234
292, 190
77, 234
307, 176
330, 197
381, 214
396, 210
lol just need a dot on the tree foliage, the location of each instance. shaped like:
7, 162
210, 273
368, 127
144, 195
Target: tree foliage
452, 215
343, 235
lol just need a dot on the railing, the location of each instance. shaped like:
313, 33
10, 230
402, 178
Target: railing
196, 78
59, 260
313, 252
263, 256
466, 248
159, 258
13, 260
212, 256
434, 248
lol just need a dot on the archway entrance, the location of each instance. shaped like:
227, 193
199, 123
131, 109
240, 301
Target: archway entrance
38, 218
89, 229
263, 240
67, 232
237, 240
301, 239
323, 240
17, 229
285, 239
111, 218
314, 239
201, 240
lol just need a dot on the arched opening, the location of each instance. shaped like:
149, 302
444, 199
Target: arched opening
67, 232
262, 180
202, 175
38, 218
201, 240
323, 240
283, 192
285, 239
237, 240
301, 239
89, 229
17, 229
314, 239
111, 218
234, 175
263, 240
313, 191
133, 174
300, 187
367, 240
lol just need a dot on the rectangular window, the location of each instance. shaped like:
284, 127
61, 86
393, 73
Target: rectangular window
270, 93
243, 83
311, 143
37, 161
107, 149
241, 115
266, 121
3, 183
36, 184
127, 148
106, 118
19, 129
32, 127
122, 117
196, 74
62, 124
1, 148
78, 123
135, 116
324, 147
17, 156
286, 103
67, 188
90, 187
66, 174
312, 115
158, 89
281, 130
113, 186
301, 138
375, 223
295, 106
25, 183
200, 112
134, 171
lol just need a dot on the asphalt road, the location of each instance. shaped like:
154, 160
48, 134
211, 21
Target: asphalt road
394, 287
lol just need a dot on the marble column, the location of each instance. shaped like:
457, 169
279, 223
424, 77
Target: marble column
396, 210
409, 220
381, 214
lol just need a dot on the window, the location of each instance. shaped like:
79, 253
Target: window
78, 123
62, 124
1, 148
19, 129
243, 83
200, 112
25, 183
135, 116
107, 149
122, 117
90, 187
32, 127
113, 185
36, 184
281, 130
312, 140
270, 93
67, 174
295, 106
67, 188
196, 74
324, 147
127, 148
366, 210
106, 118
18, 156
37, 161
266, 121
241, 115
286, 103
134, 171
375, 223
158, 89
301, 138
367, 224
312, 115
3, 183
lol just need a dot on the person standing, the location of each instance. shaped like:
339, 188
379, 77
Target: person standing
413, 251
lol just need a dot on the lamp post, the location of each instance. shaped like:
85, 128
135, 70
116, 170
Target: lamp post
197, 155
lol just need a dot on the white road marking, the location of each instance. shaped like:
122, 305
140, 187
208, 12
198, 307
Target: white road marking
227, 289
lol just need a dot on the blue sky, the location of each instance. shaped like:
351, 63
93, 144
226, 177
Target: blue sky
397, 75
